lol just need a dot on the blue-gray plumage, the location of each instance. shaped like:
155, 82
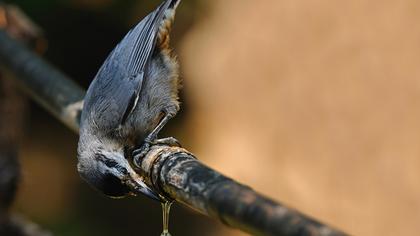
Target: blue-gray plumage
133, 95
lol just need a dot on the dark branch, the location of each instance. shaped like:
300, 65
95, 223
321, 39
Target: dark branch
47, 85
173, 172
176, 173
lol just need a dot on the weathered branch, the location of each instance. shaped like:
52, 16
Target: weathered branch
173, 172
47, 85
176, 173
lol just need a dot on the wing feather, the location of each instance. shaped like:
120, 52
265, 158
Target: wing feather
115, 91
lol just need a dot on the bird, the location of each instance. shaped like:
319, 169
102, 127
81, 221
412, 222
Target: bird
132, 97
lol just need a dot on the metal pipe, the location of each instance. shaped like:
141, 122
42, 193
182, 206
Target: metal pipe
171, 171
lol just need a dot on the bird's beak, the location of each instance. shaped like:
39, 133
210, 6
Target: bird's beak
137, 187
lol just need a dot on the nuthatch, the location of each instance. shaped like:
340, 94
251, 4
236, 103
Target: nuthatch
132, 97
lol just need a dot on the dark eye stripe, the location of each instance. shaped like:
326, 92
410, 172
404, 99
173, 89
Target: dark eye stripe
100, 157
112, 164
108, 162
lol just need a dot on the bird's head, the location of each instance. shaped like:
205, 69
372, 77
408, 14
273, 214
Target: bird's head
111, 174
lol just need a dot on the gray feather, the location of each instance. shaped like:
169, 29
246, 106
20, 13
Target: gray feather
122, 75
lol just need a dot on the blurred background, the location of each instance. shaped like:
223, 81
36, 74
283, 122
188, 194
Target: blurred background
313, 103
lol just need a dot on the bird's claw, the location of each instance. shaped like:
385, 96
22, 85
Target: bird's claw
169, 141
140, 153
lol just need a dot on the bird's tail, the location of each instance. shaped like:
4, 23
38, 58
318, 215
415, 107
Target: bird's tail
174, 3
165, 27
136, 48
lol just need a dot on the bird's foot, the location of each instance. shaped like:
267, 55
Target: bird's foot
169, 141
140, 153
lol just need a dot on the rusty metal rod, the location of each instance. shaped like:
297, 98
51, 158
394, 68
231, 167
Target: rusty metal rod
171, 171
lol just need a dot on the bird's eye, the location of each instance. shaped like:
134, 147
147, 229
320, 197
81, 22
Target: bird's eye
110, 163
114, 165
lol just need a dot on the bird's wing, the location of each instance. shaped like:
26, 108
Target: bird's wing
115, 90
